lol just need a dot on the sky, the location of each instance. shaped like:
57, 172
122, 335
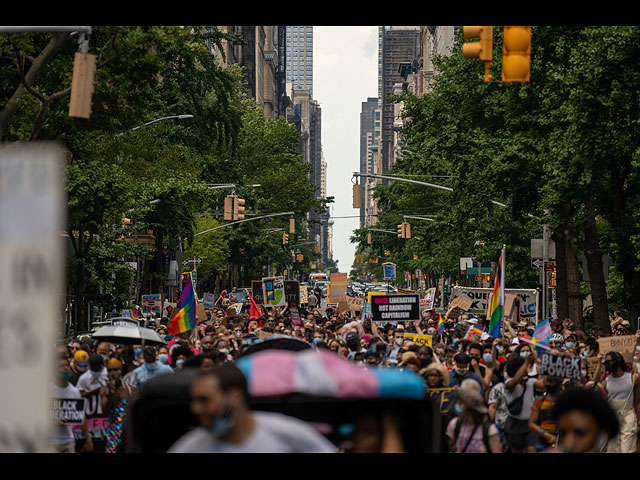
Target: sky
345, 74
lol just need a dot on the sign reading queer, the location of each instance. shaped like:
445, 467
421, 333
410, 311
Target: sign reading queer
394, 308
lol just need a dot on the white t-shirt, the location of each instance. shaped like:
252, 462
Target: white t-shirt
87, 382
64, 434
274, 433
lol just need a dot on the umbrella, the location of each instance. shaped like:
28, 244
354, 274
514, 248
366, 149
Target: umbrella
128, 335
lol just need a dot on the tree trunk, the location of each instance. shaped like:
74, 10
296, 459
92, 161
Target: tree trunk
574, 293
596, 276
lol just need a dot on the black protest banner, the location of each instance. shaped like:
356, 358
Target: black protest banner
395, 308
69, 410
256, 292
292, 291
560, 366
442, 397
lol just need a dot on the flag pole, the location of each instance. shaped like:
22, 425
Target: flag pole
503, 288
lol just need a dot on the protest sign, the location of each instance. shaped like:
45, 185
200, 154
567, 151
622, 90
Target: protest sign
152, 303
421, 340
623, 344
273, 291
69, 410
442, 398
395, 308
208, 300
256, 292
124, 322
343, 307
480, 299
560, 366
355, 303
592, 367
338, 288
426, 303
97, 422
304, 295
33, 234
201, 314
292, 291
461, 302
294, 316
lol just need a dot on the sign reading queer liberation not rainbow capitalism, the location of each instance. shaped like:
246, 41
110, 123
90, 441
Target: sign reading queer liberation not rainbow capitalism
395, 308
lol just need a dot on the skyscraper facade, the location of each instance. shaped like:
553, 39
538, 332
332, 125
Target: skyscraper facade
299, 57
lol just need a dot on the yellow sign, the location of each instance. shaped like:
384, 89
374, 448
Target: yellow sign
421, 340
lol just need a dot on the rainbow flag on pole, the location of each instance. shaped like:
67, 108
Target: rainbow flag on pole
439, 326
496, 309
185, 319
474, 333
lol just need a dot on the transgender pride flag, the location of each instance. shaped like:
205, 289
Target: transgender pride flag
321, 372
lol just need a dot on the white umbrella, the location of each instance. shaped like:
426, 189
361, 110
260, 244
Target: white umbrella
128, 335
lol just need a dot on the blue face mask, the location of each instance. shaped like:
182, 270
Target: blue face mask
137, 352
457, 408
163, 358
316, 341
223, 421
486, 357
524, 354
569, 345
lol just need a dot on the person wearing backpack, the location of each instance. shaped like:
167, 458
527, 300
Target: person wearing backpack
520, 395
472, 431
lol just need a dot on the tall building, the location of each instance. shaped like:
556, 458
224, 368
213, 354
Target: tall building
435, 41
370, 127
262, 54
299, 57
397, 45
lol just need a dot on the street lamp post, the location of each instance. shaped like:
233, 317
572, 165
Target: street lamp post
179, 117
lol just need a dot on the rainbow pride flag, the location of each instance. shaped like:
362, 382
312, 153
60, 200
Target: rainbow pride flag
474, 333
496, 309
439, 326
185, 319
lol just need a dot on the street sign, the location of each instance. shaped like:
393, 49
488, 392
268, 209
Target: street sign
190, 261
550, 266
388, 271
537, 263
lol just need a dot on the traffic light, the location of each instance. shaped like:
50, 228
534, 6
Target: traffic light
487, 277
228, 207
84, 69
292, 225
369, 238
285, 238
317, 248
401, 230
482, 49
300, 257
404, 230
238, 208
516, 54
356, 195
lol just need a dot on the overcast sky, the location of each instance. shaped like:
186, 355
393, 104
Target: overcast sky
345, 74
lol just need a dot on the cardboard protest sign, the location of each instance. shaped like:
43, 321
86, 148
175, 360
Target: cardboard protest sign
273, 291
592, 367
69, 410
208, 300
395, 308
421, 340
152, 303
560, 366
623, 344
426, 303
343, 307
463, 303
355, 303
201, 313
338, 288
292, 291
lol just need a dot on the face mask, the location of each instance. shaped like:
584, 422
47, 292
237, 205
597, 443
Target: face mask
180, 363
224, 350
457, 408
81, 369
584, 355
316, 341
223, 421
455, 340
569, 345
137, 352
609, 367
461, 372
524, 354
65, 377
486, 357
163, 358
399, 341
96, 374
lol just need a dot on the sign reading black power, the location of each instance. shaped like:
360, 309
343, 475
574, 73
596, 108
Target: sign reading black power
395, 308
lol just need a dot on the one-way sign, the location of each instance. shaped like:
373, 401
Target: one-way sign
187, 262
537, 263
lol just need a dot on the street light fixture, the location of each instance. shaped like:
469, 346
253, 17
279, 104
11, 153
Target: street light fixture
179, 117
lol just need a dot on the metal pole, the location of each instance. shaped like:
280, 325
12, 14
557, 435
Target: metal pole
245, 220
545, 259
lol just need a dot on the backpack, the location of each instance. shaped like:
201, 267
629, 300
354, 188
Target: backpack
515, 405
485, 434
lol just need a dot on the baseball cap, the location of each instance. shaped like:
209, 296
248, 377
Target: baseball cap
81, 358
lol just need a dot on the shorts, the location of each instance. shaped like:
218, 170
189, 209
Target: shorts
69, 447
519, 435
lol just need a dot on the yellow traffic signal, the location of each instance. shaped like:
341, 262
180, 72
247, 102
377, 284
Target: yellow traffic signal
84, 69
285, 238
292, 225
404, 230
300, 257
238, 208
516, 54
482, 49
401, 230
369, 238
228, 207
356, 196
